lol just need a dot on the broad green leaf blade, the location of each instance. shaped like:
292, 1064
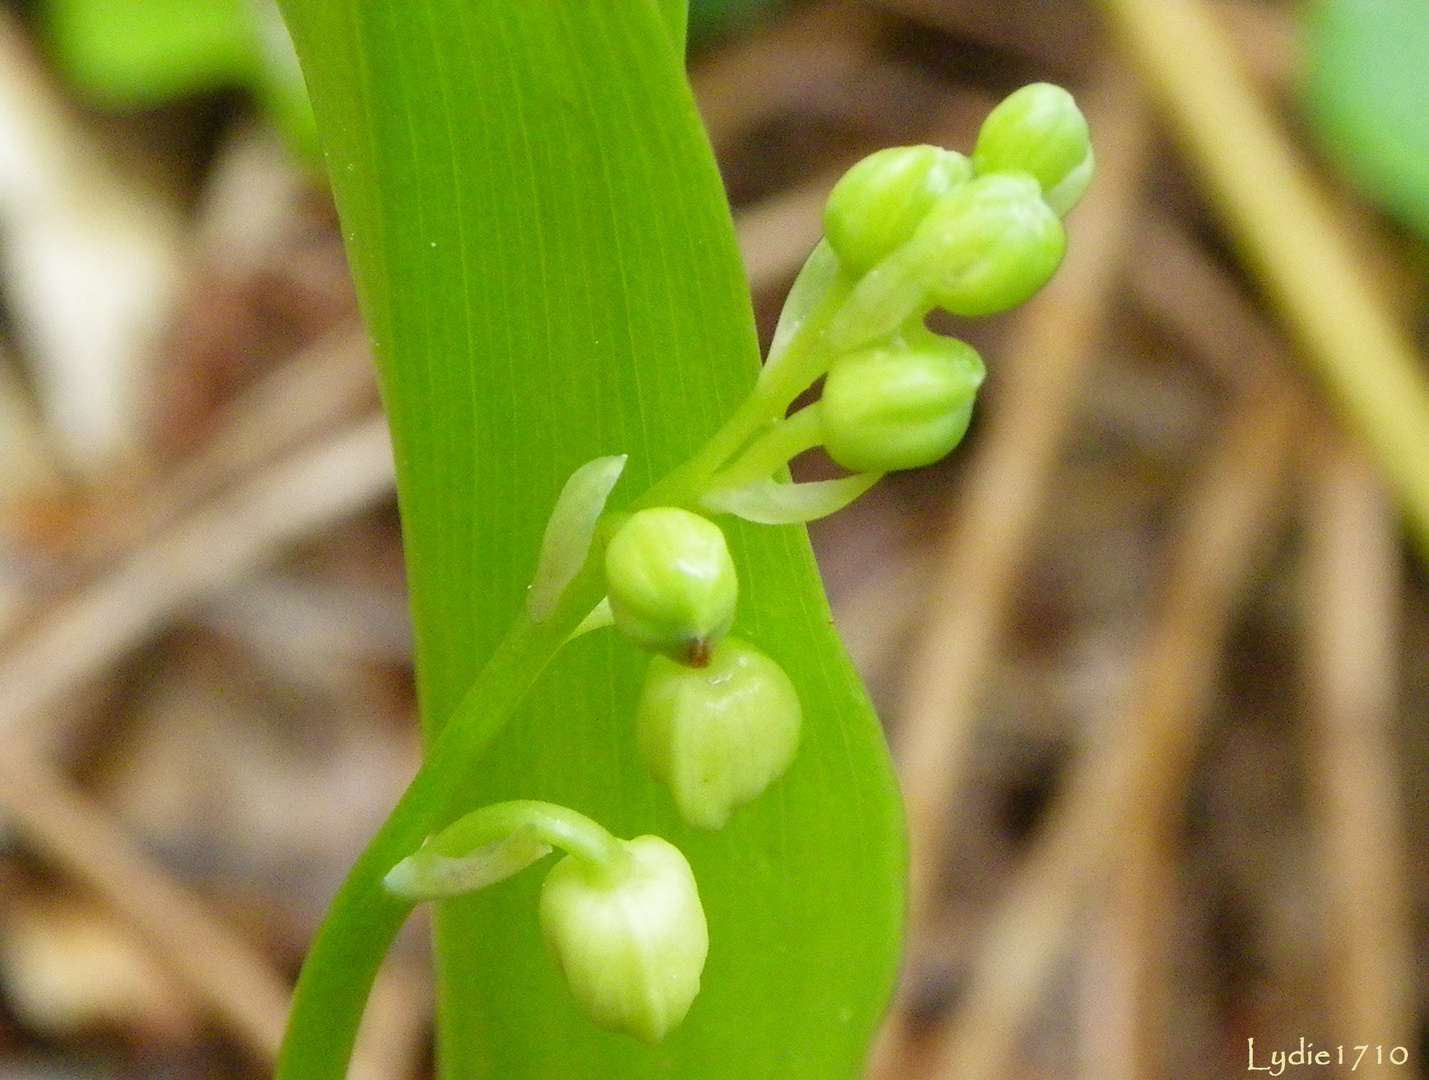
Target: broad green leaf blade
1368, 91
549, 272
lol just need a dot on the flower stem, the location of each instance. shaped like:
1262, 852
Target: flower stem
772, 449
559, 826
787, 374
364, 918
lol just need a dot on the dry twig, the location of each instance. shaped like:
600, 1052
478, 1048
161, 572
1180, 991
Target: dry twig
1289, 237
206, 553
1352, 592
202, 555
967, 605
1132, 780
968, 599
219, 968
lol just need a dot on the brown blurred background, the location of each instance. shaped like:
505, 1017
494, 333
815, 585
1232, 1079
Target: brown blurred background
1152, 649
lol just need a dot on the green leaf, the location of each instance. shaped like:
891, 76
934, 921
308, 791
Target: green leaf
676, 14
126, 54
549, 272
141, 52
1367, 90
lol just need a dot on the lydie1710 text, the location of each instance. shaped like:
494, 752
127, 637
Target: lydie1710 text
1366, 1054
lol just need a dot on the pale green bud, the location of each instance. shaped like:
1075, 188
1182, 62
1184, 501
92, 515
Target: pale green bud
631, 944
898, 406
990, 244
672, 583
878, 203
1039, 130
720, 735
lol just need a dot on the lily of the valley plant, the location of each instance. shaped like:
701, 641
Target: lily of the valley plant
620, 631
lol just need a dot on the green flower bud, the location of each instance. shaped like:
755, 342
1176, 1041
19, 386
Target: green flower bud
990, 244
672, 583
879, 202
720, 735
899, 406
631, 944
1039, 130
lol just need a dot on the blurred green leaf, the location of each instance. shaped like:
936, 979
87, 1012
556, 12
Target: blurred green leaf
143, 52
125, 54
1367, 91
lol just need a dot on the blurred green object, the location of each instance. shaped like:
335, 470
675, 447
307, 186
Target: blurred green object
128, 54
144, 52
1367, 93
713, 19
124, 54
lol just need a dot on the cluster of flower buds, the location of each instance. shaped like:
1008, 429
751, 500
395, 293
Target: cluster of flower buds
718, 721
920, 227
907, 230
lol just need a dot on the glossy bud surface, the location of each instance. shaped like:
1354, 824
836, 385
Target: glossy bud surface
672, 583
720, 735
897, 406
631, 946
879, 203
1039, 130
990, 244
